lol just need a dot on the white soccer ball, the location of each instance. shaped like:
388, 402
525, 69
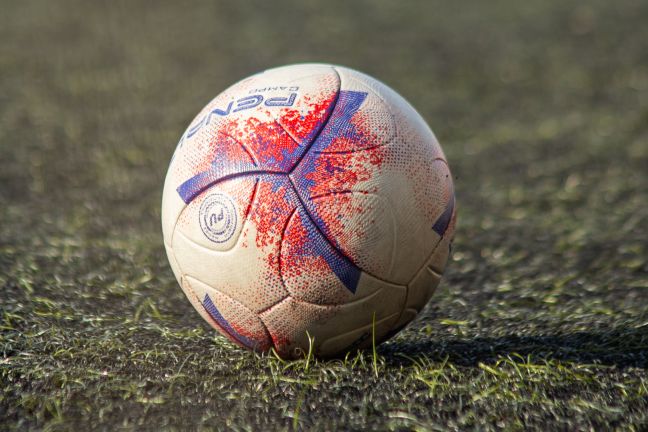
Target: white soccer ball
308, 206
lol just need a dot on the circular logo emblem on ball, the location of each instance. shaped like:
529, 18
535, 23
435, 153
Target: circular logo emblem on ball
218, 218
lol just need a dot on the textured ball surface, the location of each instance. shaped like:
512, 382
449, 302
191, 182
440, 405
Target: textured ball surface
308, 202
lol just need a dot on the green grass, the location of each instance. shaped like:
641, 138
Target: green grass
541, 321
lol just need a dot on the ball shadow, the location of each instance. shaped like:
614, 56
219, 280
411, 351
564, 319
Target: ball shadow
621, 347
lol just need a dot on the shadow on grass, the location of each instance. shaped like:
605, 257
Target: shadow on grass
617, 347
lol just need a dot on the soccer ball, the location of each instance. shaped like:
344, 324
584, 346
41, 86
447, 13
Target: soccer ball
308, 207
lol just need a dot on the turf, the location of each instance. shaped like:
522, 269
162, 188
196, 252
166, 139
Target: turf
541, 321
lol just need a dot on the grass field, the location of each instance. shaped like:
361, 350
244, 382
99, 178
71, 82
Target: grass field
541, 322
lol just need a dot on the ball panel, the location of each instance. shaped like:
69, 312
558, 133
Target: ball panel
216, 217
175, 267
273, 115
419, 212
233, 160
172, 205
439, 258
234, 272
421, 288
248, 271
413, 178
406, 317
426, 281
410, 126
362, 227
359, 224
358, 338
289, 321
311, 268
360, 120
398, 170
229, 317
